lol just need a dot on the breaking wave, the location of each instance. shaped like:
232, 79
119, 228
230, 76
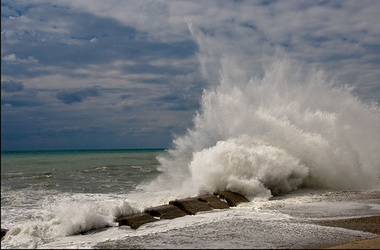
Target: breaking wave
270, 133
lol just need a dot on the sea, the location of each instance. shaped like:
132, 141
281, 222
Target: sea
299, 145
70, 199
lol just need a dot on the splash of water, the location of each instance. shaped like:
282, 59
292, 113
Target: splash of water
272, 132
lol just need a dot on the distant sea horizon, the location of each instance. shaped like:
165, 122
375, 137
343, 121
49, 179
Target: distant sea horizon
80, 150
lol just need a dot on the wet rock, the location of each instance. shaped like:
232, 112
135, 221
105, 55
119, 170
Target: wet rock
182, 207
232, 198
165, 212
136, 220
213, 201
191, 205
3, 232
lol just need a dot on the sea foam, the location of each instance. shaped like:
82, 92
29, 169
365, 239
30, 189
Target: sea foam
66, 215
286, 127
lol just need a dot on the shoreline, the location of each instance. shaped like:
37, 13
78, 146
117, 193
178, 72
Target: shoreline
364, 220
371, 243
323, 220
369, 224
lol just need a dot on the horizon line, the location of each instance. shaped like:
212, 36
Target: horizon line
103, 149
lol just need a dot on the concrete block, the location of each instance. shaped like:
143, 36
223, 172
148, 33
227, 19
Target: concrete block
136, 220
232, 198
191, 205
213, 201
166, 211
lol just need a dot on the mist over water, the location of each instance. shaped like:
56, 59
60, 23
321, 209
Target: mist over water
271, 131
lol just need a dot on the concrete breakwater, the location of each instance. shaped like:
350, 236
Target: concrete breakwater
176, 208
182, 207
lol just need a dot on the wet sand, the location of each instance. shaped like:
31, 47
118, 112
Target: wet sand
373, 243
366, 224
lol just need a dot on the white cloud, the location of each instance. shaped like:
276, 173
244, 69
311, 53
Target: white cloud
20, 27
12, 58
140, 53
316, 32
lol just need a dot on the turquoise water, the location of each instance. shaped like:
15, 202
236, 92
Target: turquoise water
93, 171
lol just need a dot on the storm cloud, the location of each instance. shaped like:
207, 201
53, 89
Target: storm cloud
11, 86
77, 95
134, 71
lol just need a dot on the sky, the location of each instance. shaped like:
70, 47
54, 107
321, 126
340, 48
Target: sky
81, 74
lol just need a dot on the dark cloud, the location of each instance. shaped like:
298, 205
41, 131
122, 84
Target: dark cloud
24, 98
12, 86
72, 39
177, 101
125, 96
19, 102
142, 58
77, 95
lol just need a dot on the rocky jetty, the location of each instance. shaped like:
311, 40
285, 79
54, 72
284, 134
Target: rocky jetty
182, 207
178, 208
